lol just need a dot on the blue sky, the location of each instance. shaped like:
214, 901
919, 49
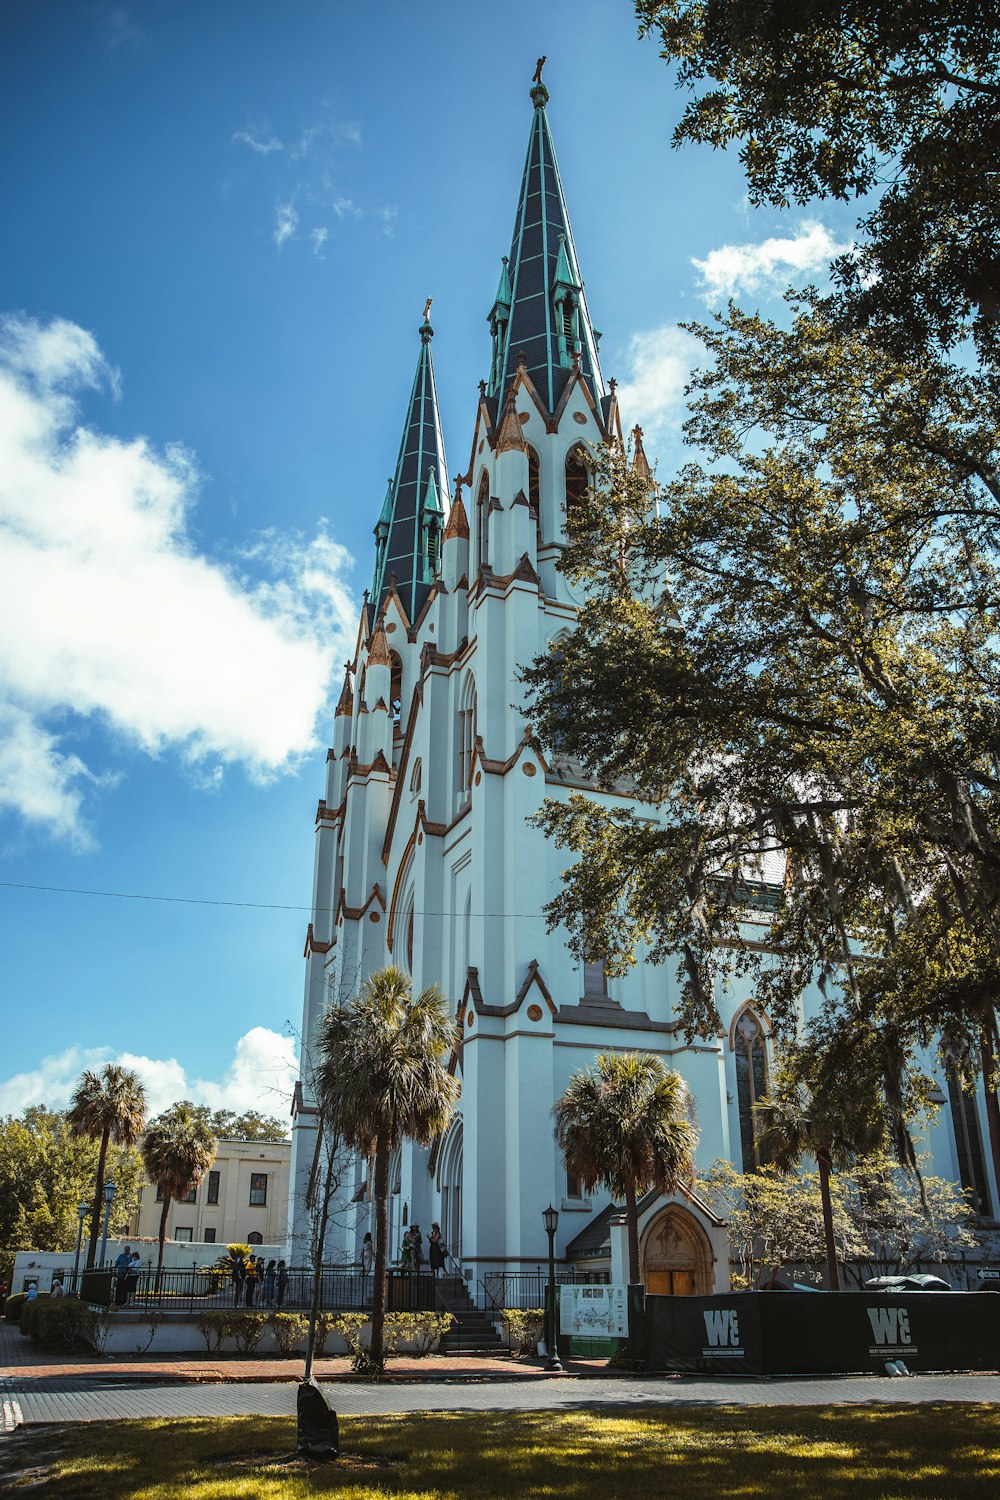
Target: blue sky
222, 222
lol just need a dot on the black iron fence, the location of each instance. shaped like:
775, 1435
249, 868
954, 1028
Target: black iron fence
211, 1288
500, 1289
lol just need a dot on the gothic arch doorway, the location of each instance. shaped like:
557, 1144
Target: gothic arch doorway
450, 1183
676, 1255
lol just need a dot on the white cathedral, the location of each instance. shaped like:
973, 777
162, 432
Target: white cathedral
424, 854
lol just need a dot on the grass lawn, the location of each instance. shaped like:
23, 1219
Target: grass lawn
864, 1453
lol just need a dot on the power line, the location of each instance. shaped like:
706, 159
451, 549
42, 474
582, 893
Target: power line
70, 890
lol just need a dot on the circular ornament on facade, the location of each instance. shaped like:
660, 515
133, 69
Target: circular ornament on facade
470, 1018
523, 416
534, 1012
529, 768
390, 627
373, 916
579, 416
479, 777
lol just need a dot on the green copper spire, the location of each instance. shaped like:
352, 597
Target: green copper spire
408, 532
540, 310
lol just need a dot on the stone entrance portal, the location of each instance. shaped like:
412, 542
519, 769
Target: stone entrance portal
676, 1255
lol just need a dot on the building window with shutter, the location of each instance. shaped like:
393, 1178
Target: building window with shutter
209, 1236
213, 1187
258, 1189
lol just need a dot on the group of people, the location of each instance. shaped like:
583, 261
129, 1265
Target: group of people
128, 1269
250, 1275
411, 1253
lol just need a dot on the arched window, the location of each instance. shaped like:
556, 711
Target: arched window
577, 479
466, 741
750, 1047
968, 1143
395, 686
255, 1237
483, 520
416, 779
535, 492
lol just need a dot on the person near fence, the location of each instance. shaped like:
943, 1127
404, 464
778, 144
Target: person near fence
57, 1289
270, 1282
406, 1252
120, 1275
252, 1279
436, 1249
238, 1276
416, 1247
132, 1276
281, 1281
367, 1255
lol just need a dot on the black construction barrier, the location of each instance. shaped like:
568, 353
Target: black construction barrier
819, 1333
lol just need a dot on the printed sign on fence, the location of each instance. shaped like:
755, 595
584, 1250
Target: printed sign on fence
593, 1312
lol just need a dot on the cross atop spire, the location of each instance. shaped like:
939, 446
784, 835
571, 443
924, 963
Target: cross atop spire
408, 533
540, 307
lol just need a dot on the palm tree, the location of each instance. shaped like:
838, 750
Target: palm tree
814, 1111
106, 1106
383, 1077
177, 1149
627, 1126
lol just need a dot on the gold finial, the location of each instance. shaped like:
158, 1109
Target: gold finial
427, 308
539, 65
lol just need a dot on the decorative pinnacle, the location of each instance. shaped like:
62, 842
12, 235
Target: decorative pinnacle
539, 93
426, 331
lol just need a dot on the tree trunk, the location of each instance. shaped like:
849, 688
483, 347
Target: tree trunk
381, 1191
321, 1219
832, 1269
632, 1219
95, 1214
163, 1234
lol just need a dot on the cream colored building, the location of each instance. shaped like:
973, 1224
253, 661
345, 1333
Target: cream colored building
243, 1199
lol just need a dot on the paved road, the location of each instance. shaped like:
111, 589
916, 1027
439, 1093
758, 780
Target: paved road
44, 1403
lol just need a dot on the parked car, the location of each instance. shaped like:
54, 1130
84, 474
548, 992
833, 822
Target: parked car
919, 1282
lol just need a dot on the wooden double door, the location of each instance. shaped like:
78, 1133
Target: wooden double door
671, 1283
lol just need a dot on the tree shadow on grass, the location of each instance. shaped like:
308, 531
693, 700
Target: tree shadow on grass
682, 1453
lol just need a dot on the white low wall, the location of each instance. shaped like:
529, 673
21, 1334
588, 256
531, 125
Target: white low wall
41, 1266
130, 1335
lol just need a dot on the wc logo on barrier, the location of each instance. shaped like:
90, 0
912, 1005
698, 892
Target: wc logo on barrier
891, 1331
722, 1332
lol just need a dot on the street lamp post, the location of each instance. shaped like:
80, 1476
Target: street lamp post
109, 1193
81, 1213
550, 1219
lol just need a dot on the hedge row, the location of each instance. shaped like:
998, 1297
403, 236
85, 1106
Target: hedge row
61, 1323
247, 1326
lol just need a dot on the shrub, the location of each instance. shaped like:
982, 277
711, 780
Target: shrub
289, 1329
326, 1323
423, 1329
13, 1306
213, 1327
524, 1327
247, 1326
65, 1323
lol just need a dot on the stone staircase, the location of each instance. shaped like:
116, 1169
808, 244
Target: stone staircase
473, 1332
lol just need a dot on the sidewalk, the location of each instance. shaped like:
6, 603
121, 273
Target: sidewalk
25, 1361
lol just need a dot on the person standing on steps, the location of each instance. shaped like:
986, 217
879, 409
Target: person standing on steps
436, 1249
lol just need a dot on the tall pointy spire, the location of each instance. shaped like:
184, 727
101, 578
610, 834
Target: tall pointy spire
408, 533
540, 309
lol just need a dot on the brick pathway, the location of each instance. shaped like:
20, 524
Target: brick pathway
115, 1403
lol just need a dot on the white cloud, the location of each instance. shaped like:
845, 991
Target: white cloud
286, 222
262, 140
319, 238
387, 217
108, 612
658, 364
260, 1076
346, 208
733, 270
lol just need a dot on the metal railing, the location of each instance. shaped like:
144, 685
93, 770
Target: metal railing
208, 1289
500, 1289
